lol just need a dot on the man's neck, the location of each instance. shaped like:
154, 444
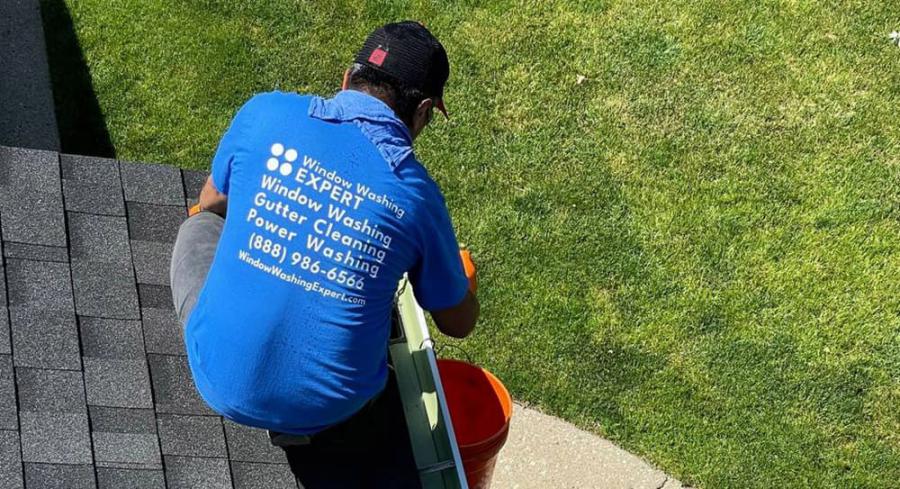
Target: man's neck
380, 95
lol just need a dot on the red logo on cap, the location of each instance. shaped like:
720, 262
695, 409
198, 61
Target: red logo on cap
377, 56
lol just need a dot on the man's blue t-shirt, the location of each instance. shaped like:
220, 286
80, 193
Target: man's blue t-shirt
327, 209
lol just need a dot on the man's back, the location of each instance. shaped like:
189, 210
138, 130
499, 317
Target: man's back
327, 208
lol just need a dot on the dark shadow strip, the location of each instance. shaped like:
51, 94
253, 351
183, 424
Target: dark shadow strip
82, 128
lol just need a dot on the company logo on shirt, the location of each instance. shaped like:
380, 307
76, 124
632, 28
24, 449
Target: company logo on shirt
281, 160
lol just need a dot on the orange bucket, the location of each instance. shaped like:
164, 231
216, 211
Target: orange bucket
480, 409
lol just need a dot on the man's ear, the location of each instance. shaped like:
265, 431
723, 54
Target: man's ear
346, 82
420, 117
423, 108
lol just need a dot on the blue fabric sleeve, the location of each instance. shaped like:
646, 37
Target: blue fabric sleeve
230, 145
438, 278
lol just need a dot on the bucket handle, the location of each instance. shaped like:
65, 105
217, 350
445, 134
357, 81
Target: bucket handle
439, 349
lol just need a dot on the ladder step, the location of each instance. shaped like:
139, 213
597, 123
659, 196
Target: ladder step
437, 467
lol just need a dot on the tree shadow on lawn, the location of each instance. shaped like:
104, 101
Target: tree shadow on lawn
82, 128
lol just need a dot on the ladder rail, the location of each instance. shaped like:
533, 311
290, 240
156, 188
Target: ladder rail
427, 345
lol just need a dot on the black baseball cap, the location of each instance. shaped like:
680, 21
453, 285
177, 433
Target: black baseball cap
408, 52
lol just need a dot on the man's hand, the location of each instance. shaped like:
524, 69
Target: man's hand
459, 321
211, 200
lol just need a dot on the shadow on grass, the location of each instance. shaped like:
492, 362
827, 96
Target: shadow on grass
82, 129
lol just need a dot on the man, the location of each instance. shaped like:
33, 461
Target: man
287, 301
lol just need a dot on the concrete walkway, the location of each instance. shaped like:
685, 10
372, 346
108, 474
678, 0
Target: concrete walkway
546, 452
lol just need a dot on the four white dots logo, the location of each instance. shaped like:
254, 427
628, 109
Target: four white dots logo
283, 167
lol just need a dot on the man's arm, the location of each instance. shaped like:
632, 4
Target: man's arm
443, 279
213, 196
458, 321
212, 200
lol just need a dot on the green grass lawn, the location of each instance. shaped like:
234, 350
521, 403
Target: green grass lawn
694, 252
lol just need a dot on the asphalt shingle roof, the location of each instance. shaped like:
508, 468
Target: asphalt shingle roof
95, 389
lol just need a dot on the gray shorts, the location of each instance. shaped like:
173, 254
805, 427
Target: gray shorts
194, 251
